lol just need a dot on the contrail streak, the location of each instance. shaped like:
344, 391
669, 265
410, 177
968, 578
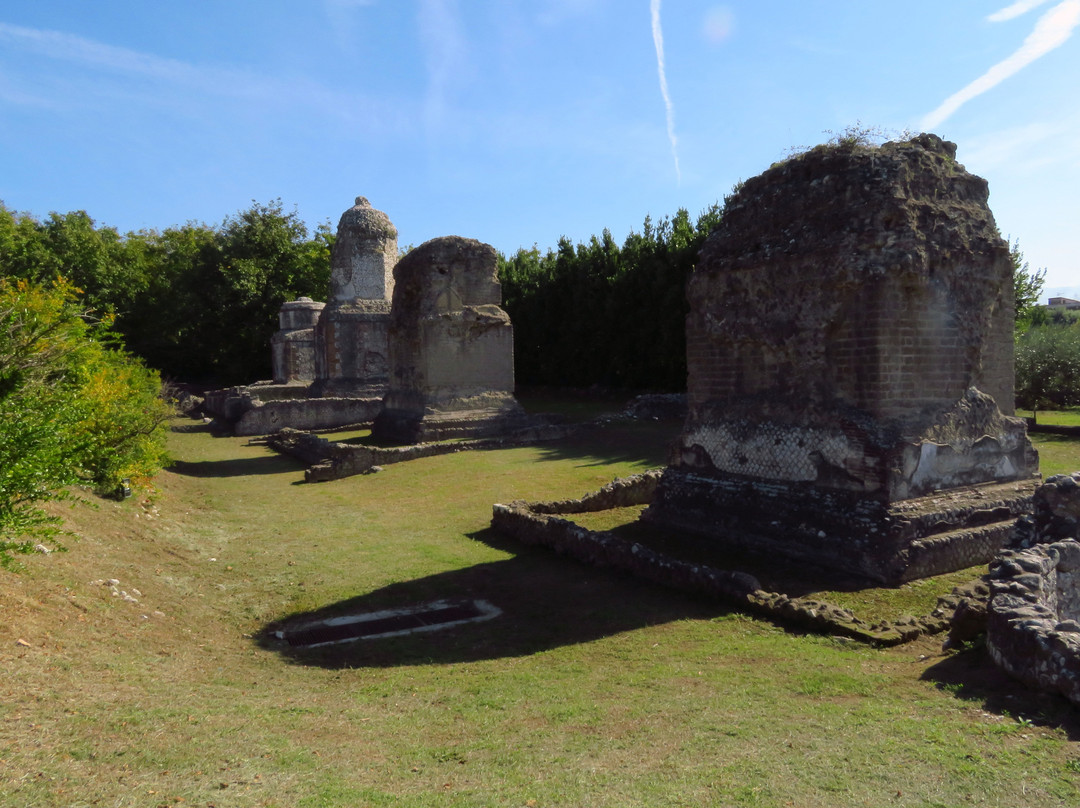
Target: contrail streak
1015, 10
658, 40
1052, 30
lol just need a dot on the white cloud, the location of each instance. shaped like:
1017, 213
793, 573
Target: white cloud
1052, 30
1027, 147
1015, 10
445, 48
658, 41
106, 74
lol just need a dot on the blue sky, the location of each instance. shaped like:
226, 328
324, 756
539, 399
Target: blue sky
519, 121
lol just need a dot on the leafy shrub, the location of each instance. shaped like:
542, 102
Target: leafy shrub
73, 409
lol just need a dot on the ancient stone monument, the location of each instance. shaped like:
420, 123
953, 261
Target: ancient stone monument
451, 347
850, 378
350, 337
329, 360
292, 348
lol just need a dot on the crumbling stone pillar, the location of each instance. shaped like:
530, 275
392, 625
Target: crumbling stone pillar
350, 337
292, 348
849, 352
451, 346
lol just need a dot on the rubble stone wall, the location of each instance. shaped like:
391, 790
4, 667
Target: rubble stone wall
1033, 620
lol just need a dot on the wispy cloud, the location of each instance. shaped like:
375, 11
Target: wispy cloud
1015, 10
446, 54
658, 41
1052, 30
58, 45
341, 14
106, 74
556, 12
1027, 148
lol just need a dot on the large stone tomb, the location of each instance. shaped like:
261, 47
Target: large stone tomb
451, 347
350, 336
850, 376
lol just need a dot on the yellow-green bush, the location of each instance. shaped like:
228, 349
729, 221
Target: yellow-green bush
74, 409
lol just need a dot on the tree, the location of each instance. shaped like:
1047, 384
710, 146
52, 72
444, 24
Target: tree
194, 301
1027, 287
598, 313
73, 409
1048, 367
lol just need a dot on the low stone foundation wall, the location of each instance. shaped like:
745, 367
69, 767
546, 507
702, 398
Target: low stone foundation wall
1033, 621
264, 407
327, 460
540, 523
265, 417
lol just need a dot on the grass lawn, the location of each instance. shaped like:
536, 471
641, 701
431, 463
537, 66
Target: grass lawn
1054, 417
590, 689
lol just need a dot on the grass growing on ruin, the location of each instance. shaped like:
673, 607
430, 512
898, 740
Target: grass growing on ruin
590, 689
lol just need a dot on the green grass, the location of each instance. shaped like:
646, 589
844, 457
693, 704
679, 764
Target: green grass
1058, 454
590, 689
1054, 417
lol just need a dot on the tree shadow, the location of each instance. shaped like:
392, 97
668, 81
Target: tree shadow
545, 602
972, 676
238, 467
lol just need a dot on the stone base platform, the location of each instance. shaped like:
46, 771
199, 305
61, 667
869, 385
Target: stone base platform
263, 407
886, 542
409, 427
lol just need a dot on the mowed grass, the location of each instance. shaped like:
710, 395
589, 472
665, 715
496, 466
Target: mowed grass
1054, 417
590, 689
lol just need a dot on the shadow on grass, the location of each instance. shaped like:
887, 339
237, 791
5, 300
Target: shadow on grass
647, 443
546, 602
973, 676
238, 467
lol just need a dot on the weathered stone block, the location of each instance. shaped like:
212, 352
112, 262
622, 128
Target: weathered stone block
350, 337
451, 346
292, 348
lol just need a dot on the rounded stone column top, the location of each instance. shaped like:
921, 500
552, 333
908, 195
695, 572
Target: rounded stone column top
364, 221
363, 256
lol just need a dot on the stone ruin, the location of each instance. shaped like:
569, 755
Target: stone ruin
451, 347
1033, 615
292, 348
850, 377
434, 362
329, 359
351, 334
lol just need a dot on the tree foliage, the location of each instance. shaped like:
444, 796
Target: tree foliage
1027, 287
599, 313
1048, 366
73, 409
193, 301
